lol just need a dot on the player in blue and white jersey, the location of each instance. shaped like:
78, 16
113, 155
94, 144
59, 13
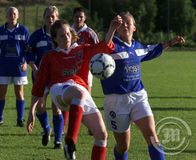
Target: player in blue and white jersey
40, 43
126, 100
13, 68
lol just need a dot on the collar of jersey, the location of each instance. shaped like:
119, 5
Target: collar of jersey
44, 31
66, 51
127, 44
81, 29
5, 26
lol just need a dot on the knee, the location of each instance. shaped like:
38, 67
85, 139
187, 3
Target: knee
102, 134
101, 138
55, 110
151, 138
40, 108
100, 142
122, 148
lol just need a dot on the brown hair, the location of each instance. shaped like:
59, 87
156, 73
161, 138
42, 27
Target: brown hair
59, 24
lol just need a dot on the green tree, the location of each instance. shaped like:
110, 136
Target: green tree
144, 12
176, 16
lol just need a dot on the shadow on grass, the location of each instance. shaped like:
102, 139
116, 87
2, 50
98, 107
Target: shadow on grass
161, 97
172, 97
166, 108
18, 134
173, 108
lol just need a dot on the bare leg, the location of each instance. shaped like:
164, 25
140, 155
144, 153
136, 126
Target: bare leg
147, 127
95, 123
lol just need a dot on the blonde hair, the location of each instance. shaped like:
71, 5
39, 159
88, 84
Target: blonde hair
59, 24
11, 8
128, 14
51, 9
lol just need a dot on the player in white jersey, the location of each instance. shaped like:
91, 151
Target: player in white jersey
13, 68
126, 100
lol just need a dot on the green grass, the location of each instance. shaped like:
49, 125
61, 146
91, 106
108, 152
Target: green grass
170, 82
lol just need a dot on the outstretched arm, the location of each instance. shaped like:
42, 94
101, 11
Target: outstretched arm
114, 25
31, 116
176, 40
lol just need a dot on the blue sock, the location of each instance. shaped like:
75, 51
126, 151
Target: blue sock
120, 156
156, 154
43, 119
2, 104
58, 124
20, 106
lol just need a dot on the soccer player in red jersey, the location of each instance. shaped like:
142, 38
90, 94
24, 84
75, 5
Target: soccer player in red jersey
86, 36
65, 71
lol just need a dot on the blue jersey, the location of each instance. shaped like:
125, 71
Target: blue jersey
40, 43
13, 47
128, 58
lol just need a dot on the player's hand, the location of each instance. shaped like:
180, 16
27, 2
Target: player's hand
116, 22
176, 40
30, 122
180, 40
24, 66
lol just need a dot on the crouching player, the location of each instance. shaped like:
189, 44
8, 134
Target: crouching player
65, 71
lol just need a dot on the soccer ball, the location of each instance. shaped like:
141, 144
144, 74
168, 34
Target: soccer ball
102, 65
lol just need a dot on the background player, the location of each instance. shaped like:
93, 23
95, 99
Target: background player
40, 43
13, 68
125, 97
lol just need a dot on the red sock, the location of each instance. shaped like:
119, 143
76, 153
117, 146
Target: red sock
75, 118
65, 117
98, 153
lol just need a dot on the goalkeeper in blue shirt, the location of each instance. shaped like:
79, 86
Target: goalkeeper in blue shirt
126, 100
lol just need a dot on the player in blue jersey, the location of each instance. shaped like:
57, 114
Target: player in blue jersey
13, 68
125, 97
40, 42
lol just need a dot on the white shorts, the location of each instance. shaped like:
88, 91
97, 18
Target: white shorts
14, 80
57, 90
90, 79
121, 110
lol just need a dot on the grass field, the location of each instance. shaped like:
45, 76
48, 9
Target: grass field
171, 85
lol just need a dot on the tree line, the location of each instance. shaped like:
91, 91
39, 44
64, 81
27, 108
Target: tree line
155, 19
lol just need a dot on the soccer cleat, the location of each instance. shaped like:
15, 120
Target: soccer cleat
58, 145
69, 151
45, 138
20, 123
1, 122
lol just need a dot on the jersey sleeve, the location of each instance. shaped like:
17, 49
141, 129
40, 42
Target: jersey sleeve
42, 77
94, 37
101, 47
153, 51
31, 55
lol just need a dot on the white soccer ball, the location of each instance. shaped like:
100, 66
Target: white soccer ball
102, 65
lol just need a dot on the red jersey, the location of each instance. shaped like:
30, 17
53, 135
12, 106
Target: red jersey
58, 66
